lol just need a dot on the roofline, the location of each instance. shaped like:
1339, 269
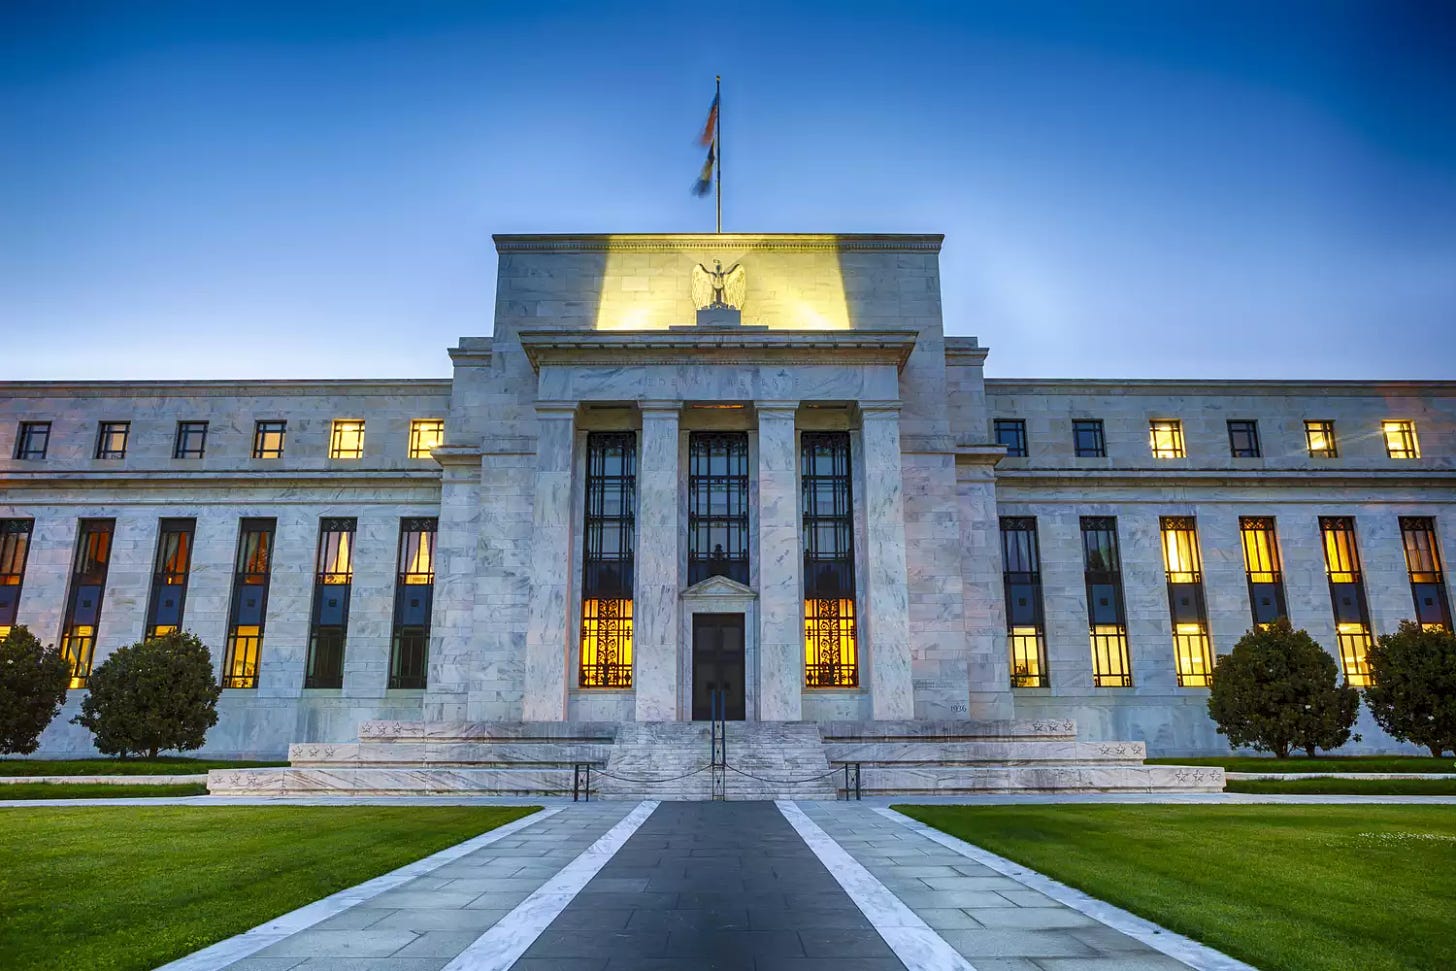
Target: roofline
696, 242
214, 387
1214, 386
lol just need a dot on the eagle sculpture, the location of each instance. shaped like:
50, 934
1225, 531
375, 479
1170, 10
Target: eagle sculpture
719, 287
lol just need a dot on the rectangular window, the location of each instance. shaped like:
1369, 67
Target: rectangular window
1011, 432
1021, 578
14, 550
1106, 616
111, 439
1319, 435
608, 554
1087, 438
426, 435
169, 576
1166, 438
1400, 439
1423, 562
1347, 596
333, 578
191, 440
413, 599
32, 440
1244, 439
83, 600
1192, 652
1261, 563
347, 439
249, 607
831, 650
717, 506
268, 439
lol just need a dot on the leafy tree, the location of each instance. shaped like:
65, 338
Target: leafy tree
33, 680
153, 695
1279, 690
1414, 694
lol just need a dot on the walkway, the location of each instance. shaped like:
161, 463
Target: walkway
701, 885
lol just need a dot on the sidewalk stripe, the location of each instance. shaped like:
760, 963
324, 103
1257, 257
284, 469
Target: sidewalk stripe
1197, 956
226, 952
498, 948
912, 940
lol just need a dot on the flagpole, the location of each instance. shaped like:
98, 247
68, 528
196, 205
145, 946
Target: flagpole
717, 147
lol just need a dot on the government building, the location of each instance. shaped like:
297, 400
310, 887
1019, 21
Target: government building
737, 473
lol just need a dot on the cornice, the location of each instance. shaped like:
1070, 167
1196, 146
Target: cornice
223, 389
1439, 478
819, 347
232, 478
1165, 386
737, 242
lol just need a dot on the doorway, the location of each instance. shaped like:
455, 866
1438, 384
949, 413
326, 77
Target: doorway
718, 664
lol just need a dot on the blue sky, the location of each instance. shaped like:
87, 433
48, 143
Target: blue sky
1159, 189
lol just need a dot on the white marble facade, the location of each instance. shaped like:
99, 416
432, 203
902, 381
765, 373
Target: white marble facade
596, 333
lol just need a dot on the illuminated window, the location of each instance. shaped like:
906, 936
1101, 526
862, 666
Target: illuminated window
831, 656
1319, 435
1347, 596
1106, 617
426, 435
1166, 438
14, 549
717, 506
1261, 564
1192, 652
1011, 432
32, 440
83, 602
249, 607
1021, 578
608, 558
413, 599
268, 437
169, 576
191, 442
111, 439
1423, 562
1244, 439
1087, 438
347, 440
1400, 439
333, 579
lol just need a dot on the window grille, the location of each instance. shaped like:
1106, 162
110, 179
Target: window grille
1347, 596
1261, 565
332, 581
191, 440
1400, 439
426, 434
268, 439
347, 439
1088, 440
1166, 439
14, 550
718, 540
1011, 432
831, 654
1021, 580
1319, 437
1423, 563
608, 560
1107, 618
249, 605
33, 440
168, 597
1192, 651
84, 600
1244, 439
413, 602
111, 439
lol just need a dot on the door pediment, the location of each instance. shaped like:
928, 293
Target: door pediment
718, 588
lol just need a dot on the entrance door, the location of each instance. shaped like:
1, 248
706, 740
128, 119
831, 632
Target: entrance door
717, 663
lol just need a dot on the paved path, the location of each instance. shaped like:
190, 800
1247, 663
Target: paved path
608, 885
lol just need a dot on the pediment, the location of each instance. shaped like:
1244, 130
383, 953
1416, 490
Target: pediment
718, 588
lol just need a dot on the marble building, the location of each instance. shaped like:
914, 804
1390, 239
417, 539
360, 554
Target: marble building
750, 467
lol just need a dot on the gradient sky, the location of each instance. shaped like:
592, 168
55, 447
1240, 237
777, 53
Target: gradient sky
1160, 189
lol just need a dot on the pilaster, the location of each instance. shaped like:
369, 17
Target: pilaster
548, 622
781, 588
655, 583
888, 611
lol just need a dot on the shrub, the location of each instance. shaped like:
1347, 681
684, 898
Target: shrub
33, 680
1414, 692
1279, 690
153, 695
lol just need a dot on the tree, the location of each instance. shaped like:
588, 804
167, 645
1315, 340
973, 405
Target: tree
1279, 690
1414, 692
153, 695
33, 681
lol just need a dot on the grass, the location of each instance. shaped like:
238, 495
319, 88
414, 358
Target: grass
119, 888
96, 790
1325, 763
1305, 888
1346, 787
162, 765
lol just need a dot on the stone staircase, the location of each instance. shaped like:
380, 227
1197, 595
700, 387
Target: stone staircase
669, 760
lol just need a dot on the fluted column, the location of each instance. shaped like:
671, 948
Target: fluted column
547, 650
655, 580
780, 563
892, 694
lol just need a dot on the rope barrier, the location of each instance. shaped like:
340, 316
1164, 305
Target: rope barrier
650, 782
783, 782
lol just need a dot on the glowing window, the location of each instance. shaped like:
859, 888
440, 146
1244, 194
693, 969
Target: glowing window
1400, 439
831, 658
1423, 563
1355, 640
111, 439
336, 551
84, 600
169, 576
249, 604
1021, 580
240, 667
1342, 558
1261, 564
268, 438
14, 548
1347, 596
1107, 619
347, 440
606, 643
426, 435
1180, 550
1319, 436
413, 601
608, 558
1192, 652
1166, 438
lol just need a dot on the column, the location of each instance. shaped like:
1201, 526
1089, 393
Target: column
888, 608
655, 580
547, 651
780, 563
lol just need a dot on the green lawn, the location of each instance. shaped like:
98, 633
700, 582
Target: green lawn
163, 765
96, 790
1325, 763
1346, 787
1355, 888
109, 888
